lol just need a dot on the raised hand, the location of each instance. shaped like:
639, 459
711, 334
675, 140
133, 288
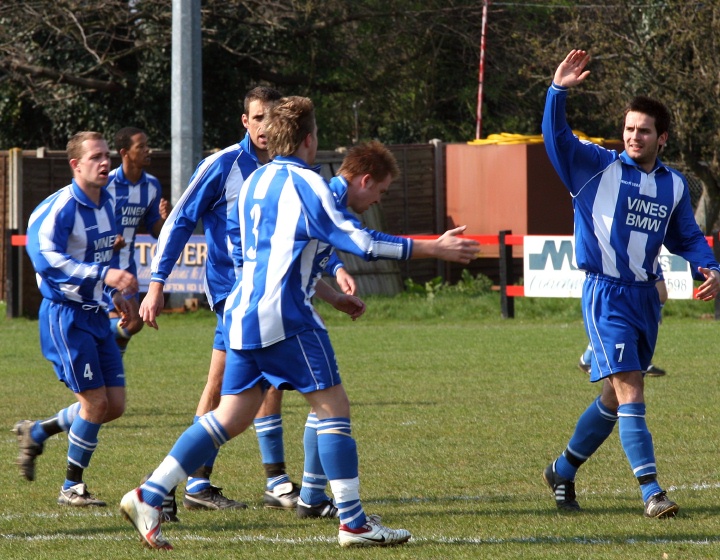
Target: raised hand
572, 71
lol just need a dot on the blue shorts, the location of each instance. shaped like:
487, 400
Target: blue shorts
219, 340
80, 345
305, 362
621, 321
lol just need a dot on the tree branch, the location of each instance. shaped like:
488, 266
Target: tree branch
61, 77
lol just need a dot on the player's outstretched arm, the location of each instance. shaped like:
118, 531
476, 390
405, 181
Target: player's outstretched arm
447, 247
152, 304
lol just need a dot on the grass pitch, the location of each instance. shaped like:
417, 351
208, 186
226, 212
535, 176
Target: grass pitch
455, 411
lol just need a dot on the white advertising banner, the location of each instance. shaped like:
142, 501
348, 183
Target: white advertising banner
550, 271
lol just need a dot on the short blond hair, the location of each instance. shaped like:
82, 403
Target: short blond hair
371, 158
288, 123
75, 148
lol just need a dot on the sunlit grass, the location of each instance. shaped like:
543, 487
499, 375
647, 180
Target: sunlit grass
455, 412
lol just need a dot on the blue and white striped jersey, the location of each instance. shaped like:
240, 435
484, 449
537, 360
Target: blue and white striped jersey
134, 204
70, 243
287, 215
210, 195
623, 215
327, 259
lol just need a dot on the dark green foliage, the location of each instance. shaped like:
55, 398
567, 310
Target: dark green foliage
401, 71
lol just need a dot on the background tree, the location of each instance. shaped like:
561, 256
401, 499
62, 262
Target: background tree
403, 71
400, 70
68, 65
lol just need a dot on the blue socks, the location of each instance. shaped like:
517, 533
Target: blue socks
592, 429
198, 442
338, 455
638, 446
200, 479
191, 451
83, 439
269, 431
61, 422
314, 480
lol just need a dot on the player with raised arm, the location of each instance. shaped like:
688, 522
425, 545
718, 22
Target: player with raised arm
626, 206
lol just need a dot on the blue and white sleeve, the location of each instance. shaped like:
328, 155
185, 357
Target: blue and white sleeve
234, 236
342, 230
183, 220
683, 237
575, 161
47, 248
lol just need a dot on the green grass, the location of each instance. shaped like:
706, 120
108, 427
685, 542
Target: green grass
455, 411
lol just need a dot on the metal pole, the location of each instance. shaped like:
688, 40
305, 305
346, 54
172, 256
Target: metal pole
481, 73
443, 268
186, 93
186, 103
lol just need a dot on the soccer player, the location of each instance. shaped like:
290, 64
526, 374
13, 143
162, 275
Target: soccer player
626, 207
364, 177
212, 190
286, 214
70, 242
137, 196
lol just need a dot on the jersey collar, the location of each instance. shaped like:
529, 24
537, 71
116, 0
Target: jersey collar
339, 188
293, 160
629, 161
249, 148
120, 177
83, 199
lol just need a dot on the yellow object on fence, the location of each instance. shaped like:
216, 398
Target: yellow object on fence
505, 138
